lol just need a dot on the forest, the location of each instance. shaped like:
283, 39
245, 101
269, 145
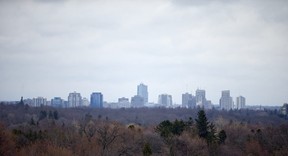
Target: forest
48, 131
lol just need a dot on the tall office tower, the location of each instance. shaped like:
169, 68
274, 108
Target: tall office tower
96, 100
137, 101
74, 100
185, 99
200, 98
165, 100
226, 101
57, 102
192, 102
240, 102
142, 90
37, 102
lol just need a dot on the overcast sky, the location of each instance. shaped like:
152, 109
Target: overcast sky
52, 47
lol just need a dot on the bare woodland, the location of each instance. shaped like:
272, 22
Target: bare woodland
47, 131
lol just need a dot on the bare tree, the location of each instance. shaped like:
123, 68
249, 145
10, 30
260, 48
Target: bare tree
107, 135
89, 130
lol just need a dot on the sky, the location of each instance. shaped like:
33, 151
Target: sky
50, 48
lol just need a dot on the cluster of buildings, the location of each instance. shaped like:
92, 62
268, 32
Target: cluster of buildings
74, 100
199, 100
226, 101
140, 100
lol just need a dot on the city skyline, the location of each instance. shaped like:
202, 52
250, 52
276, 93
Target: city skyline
188, 100
173, 46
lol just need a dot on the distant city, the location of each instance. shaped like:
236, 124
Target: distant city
139, 100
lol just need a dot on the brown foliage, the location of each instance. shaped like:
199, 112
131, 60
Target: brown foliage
187, 144
44, 149
254, 148
7, 144
73, 134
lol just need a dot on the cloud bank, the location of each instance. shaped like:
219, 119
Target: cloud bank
51, 48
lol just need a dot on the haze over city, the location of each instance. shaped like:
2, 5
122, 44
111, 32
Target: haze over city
52, 48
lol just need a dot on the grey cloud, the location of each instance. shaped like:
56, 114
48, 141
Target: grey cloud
103, 45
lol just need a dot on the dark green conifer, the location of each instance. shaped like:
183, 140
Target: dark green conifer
202, 124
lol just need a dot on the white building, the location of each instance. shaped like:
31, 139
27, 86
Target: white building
226, 101
57, 102
137, 101
240, 102
165, 100
185, 99
74, 100
188, 100
200, 98
37, 102
85, 102
123, 102
142, 90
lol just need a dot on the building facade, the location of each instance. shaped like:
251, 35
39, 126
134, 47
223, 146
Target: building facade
57, 102
96, 100
240, 102
188, 100
85, 102
200, 96
185, 99
123, 102
137, 101
142, 90
226, 101
165, 100
74, 100
39, 101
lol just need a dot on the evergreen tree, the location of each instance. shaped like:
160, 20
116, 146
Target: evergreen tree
55, 115
178, 127
147, 151
211, 137
202, 124
164, 129
50, 115
189, 122
43, 115
222, 137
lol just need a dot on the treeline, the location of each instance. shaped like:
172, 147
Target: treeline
15, 114
48, 131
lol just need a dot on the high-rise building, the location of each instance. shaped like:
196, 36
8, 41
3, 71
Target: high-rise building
200, 98
188, 100
142, 90
57, 102
165, 100
39, 101
74, 100
123, 102
240, 102
137, 101
226, 101
96, 100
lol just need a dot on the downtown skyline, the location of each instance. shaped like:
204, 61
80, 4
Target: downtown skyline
53, 48
142, 92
